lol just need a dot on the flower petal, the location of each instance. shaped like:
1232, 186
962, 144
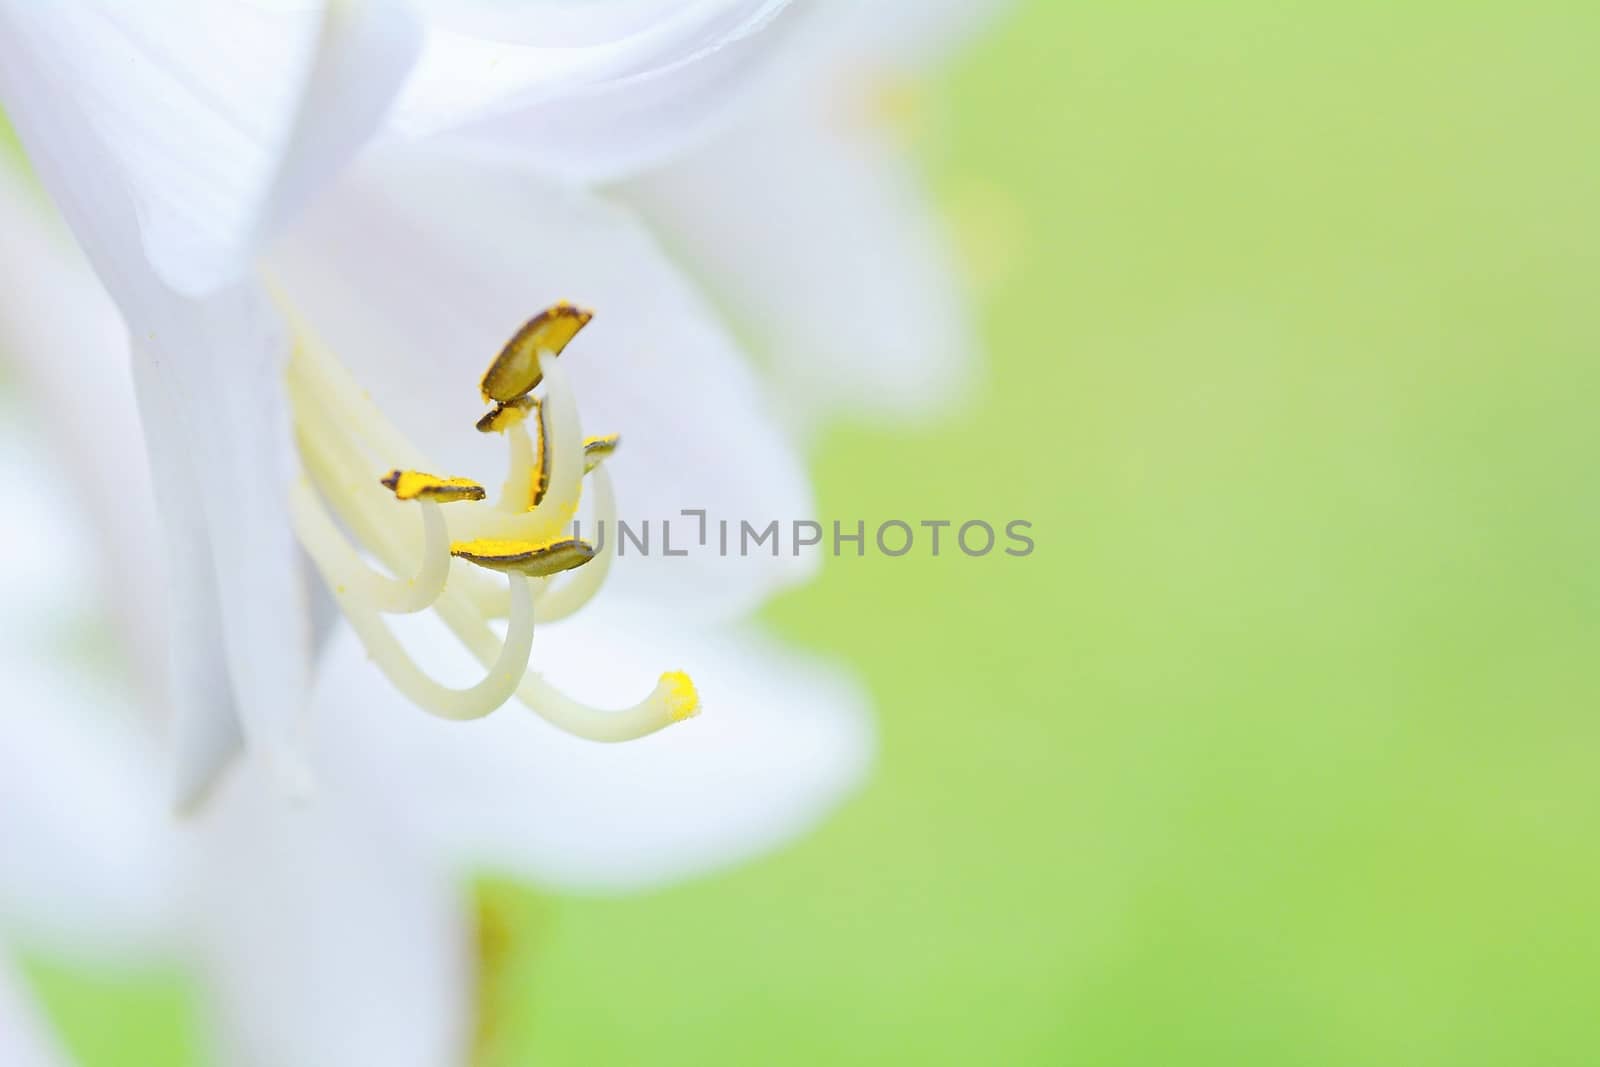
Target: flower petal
141, 144
217, 119
783, 738
417, 271
324, 943
220, 456
562, 24
795, 210
68, 340
209, 383
618, 126
477, 66
24, 1037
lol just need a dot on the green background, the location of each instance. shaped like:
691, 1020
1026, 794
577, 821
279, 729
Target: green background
1282, 746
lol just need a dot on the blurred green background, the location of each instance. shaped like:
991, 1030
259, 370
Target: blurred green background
1282, 746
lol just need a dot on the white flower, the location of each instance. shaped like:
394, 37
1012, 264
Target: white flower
809, 219
335, 931
194, 148
191, 153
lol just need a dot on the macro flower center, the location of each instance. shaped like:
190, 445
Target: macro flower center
441, 544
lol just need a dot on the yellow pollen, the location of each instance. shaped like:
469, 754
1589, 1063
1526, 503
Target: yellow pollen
596, 449
683, 701
515, 371
415, 485
525, 557
505, 416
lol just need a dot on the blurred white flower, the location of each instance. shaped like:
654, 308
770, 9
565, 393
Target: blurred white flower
336, 930
192, 147
191, 155
810, 220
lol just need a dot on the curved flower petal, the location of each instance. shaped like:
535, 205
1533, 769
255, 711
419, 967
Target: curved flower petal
74, 349
164, 151
478, 65
807, 201
204, 720
799, 212
784, 737
207, 374
594, 23
216, 119
24, 1040
66, 337
323, 943
415, 273
616, 127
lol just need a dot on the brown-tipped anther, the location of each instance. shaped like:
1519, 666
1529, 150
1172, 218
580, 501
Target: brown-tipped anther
597, 449
515, 371
525, 557
505, 416
415, 485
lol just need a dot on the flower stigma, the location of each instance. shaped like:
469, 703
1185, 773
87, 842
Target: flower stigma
440, 542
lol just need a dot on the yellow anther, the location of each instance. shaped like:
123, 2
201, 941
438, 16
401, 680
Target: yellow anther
515, 371
525, 557
596, 449
683, 701
505, 416
415, 485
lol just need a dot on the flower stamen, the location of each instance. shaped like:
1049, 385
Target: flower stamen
521, 557
516, 371
340, 431
597, 449
415, 485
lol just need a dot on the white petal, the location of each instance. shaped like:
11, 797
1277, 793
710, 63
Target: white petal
617, 127
323, 942
137, 136
213, 120
25, 1040
416, 272
823, 242
202, 717
78, 357
536, 56
783, 738
83, 825
68, 340
562, 24
220, 456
